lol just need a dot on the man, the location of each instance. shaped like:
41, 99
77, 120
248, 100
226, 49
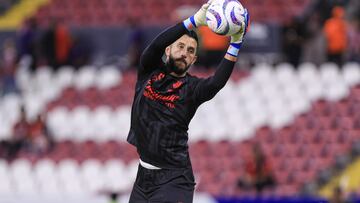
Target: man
166, 98
258, 174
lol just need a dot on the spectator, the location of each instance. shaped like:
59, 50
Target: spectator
57, 44
48, 41
335, 30
314, 46
81, 50
27, 41
136, 43
8, 68
323, 8
63, 43
19, 139
259, 173
40, 139
353, 53
293, 37
213, 47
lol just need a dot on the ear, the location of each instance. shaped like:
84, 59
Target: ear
167, 51
194, 60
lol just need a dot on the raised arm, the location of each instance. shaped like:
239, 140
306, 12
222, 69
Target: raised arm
207, 89
151, 57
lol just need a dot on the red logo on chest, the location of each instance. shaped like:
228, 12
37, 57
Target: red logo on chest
168, 97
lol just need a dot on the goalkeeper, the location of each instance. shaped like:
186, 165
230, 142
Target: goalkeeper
166, 99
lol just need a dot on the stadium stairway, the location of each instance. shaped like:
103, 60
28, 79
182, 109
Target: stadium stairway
13, 18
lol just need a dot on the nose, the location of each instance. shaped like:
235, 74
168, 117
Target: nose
183, 53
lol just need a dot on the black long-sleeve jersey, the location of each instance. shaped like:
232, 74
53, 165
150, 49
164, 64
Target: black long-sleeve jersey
164, 105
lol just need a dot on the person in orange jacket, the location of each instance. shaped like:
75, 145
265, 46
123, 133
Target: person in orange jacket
335, 31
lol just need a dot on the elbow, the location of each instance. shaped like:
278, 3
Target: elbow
155, 46
217, 87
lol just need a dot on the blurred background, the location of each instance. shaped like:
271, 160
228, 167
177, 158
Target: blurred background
285, 128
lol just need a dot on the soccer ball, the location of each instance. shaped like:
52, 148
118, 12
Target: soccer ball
225, 17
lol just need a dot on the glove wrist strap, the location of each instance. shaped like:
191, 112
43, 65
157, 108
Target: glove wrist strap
233, 49
190, 23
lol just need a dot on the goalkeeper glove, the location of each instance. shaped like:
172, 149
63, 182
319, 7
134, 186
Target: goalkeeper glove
237, 39
199, 18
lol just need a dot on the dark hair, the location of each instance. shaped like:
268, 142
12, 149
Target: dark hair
193, 35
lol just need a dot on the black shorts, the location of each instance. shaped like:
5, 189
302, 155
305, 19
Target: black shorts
163, 185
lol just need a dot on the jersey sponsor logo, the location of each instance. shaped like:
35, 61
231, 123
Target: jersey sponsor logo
169, 98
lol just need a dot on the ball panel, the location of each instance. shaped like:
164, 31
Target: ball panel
217, 17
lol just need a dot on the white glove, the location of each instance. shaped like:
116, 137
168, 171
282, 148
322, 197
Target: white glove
199, 18
237, 39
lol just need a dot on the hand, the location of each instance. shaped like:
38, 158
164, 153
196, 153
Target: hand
200, 15
238, 38
199, 18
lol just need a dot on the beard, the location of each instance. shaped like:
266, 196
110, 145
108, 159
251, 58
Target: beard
171, 65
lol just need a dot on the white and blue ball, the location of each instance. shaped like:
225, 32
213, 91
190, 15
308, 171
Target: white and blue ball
225, 17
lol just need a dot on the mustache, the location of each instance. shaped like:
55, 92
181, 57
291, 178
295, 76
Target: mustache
182, 60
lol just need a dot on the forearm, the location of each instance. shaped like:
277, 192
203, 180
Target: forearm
167, 37
222, 73
209, 87
151, 57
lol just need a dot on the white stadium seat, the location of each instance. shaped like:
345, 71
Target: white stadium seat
122, 122
10, 107
262, 73
308, 73
285, 73
107, 77
351, 73
64, 77
116, 175
329, 73
44, 173
92, 174
85, 77
58, 120
68, 174
102, 120
21, 174
80, 123
43, 75
6, 186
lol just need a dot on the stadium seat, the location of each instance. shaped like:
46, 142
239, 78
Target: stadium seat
102, 122
108, 77
351, 73
80, 124
64, 77
91, 173
85, 77
44, 173
114, 172
71, 183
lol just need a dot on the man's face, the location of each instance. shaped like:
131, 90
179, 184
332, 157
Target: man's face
181, 55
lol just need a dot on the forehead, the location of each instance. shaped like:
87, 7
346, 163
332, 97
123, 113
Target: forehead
185, 39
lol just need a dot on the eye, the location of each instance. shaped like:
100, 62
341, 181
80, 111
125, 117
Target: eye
191, 51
